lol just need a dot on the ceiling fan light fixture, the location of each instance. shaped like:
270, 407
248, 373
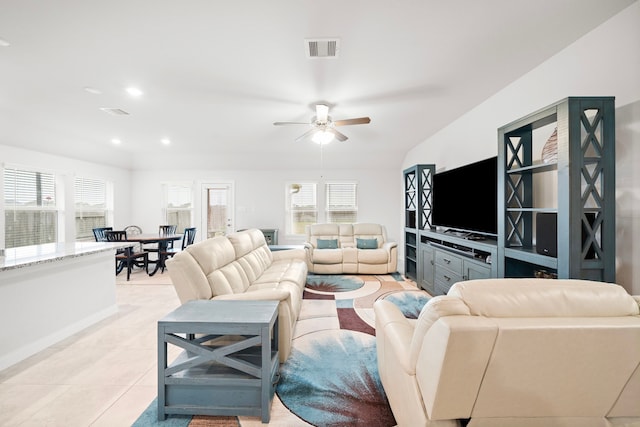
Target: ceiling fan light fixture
322, 137
322, 113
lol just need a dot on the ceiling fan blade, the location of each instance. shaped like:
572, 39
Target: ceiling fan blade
305, 135
358, 121
288, 123
339, 136
322, 113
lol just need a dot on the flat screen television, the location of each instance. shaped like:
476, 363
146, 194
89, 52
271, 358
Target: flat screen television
465, 199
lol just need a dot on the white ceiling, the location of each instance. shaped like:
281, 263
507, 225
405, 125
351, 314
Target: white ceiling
217, 74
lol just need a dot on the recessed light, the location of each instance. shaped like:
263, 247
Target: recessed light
134, 91
4, 43
92, 90
116, 141
165, 141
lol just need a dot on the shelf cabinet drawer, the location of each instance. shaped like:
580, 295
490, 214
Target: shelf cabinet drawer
449, 261
446, 278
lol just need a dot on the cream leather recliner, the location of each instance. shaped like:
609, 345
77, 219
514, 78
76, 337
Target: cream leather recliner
514, 353
350, 255
240, 266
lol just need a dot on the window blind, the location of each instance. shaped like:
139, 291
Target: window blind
178, 206
342, 202
303, 207
31, 215
90, 206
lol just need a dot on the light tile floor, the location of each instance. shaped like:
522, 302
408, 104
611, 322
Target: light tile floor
102, 376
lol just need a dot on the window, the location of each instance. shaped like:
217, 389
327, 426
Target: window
341, 202
302, 206
31, 214
178, 205
90, 206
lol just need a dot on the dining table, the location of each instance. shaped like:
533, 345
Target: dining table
163, 243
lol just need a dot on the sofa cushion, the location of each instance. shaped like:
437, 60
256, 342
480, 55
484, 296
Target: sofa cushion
370, 231
327, 256
212, 254
367, 243
342, 232
373, 256
543, 298
252, 252
327, 243
230, 279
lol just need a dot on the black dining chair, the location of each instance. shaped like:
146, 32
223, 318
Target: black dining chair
188, 238
163, 230
98, 233
133, 230
167, 230
127, 256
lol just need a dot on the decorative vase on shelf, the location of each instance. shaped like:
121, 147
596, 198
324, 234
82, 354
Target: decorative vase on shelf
550, 149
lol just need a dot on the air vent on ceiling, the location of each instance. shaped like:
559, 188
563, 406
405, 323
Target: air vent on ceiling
322, 48
115, 111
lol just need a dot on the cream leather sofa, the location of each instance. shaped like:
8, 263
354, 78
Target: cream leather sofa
346, 257
240, 266
514, 352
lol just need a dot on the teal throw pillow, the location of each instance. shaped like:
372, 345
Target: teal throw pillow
327, 243
367, 243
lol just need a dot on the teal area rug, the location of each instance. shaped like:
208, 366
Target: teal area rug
333, 282
331, 377
409, 302
351, 396
150, 418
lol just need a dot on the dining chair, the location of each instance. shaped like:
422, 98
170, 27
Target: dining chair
127, 256
188, 238
98, 233
166, 230
133, 230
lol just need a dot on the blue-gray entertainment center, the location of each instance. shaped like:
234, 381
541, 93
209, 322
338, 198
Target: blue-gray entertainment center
582, 228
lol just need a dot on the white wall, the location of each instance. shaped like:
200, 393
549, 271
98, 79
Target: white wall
605, 62
260, 196
69, 168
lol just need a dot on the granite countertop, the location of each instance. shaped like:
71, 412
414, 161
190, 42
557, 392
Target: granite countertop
26, 256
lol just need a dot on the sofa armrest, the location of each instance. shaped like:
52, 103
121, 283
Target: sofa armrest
389, 245
262, 294
289, 254
396, 331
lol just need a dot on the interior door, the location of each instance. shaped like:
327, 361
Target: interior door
218, 209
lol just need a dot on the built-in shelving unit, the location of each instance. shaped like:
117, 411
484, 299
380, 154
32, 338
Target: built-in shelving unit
418, 182
584, 175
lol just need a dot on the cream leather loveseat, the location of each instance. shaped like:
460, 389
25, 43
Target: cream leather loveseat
350, 248
514, 352
240, 266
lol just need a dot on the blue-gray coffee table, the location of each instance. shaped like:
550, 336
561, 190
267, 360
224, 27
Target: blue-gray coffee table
230, 363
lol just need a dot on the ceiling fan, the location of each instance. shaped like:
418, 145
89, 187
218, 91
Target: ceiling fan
323, 128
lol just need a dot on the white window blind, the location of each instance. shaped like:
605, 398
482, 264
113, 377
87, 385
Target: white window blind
302, 206
31, 215
341, 202
90, 206
178, 206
